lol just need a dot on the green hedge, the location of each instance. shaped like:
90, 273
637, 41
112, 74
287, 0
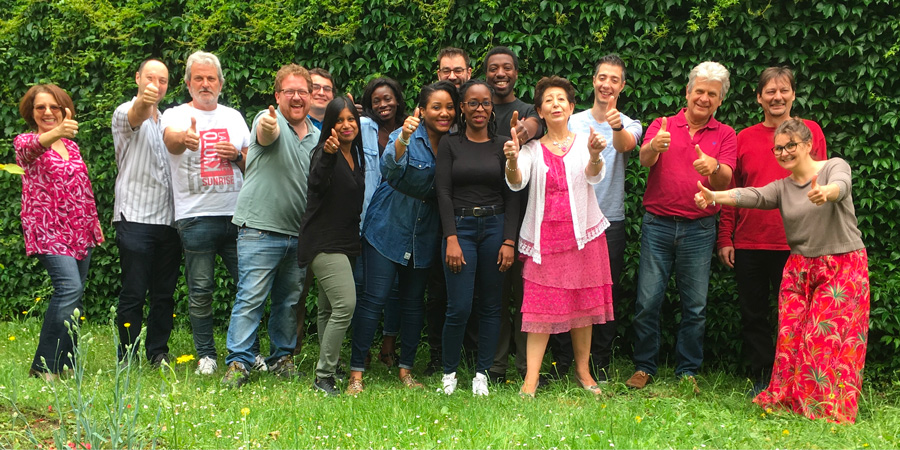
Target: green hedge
844, 53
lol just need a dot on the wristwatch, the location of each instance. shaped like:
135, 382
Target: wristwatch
240, 157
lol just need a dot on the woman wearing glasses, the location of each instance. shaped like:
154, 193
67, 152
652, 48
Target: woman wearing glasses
59, 217
478, 242
823, 306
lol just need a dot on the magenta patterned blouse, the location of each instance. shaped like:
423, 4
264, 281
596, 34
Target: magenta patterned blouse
59, 215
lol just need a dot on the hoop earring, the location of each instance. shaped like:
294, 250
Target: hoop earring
493, 116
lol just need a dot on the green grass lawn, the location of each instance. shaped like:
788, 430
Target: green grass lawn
177, 409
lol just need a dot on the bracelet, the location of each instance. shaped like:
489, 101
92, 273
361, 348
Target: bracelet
402, 141
597, 162
509, 245
618, 129
717, 170
714, 202
510, 169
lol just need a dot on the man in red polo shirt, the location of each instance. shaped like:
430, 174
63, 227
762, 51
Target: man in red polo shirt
752, 241
681, 150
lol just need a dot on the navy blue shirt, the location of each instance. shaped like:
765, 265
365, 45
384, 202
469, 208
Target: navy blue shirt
402, 221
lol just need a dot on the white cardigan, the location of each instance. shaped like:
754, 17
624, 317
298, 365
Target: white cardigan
587, 219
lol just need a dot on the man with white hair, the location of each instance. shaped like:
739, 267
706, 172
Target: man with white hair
207, 143
681, 150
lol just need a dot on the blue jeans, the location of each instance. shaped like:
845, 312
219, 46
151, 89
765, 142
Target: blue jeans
480, 239
267, 263
150, 258
391, 307
55, 346
203, 238
686, 245
379, 276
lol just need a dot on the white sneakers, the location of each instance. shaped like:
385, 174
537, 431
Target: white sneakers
259, 364
480, 384
206, 366
449, 381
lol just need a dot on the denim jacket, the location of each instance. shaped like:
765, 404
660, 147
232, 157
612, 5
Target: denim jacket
369, 130
403, 221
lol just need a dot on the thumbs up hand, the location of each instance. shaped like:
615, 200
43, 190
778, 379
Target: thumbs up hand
705, 165
613, 118
149, 96
705, 197
68, 128
410, 125
660, 142
269, 122
332, 143
818, 195
511, 148
191, 137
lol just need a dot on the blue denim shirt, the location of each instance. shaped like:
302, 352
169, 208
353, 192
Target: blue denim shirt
369, 131
403, 220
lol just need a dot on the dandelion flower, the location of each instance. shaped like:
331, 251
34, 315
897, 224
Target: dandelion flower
785, 432
82, 318
24, 312
245, 411
37, 299
768, 410
184, 358
638, 419
174, 315
12, 338
127, 325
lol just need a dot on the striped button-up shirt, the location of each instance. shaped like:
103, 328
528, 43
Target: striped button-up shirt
144, 183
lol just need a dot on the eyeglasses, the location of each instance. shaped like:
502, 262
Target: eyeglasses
475, 103
289, 93
325, 89
53, 108
456, 71
790, 147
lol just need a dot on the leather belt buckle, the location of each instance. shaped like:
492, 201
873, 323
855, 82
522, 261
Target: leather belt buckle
479, 211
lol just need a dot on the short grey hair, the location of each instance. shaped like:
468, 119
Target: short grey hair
710, 71
203, 58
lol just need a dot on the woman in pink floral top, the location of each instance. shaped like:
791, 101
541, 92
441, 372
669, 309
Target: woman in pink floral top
59, 216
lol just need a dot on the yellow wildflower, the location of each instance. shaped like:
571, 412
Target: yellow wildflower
638, 419
37, 299
245, 411
174, 315
82, 318
127, 324
12, 338
184, 358
785, 432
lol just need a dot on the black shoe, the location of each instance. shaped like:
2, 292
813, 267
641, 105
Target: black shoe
339, 373
543, 381
159, 359
327, 385
496, 378
433, 367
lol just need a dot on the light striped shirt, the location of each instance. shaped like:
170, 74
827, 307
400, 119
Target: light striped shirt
144, 183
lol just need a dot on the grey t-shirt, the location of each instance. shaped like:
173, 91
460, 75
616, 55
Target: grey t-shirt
812, 231
611, 190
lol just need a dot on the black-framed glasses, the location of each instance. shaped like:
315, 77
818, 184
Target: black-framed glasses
289, 93
474, 104
325, 89
790, 147
456, 71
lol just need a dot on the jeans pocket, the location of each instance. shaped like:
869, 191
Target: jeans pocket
246, 233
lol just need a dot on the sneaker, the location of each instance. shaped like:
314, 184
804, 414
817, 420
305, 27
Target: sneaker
638, 380
236, 375
159, 359
480, 384
496, 378
327, 385
206, 366
285, 368
339, 373
259, 364
449, 380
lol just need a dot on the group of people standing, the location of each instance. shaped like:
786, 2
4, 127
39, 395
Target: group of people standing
476, 207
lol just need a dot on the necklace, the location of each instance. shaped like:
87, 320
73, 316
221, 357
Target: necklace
562, 146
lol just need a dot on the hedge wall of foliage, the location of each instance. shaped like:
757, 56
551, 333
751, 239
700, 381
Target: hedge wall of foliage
844, 54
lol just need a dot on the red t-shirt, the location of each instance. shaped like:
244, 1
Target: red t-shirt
756, 229
672, 182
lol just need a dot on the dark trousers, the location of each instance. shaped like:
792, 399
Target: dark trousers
150, 257
602, 335
758, 276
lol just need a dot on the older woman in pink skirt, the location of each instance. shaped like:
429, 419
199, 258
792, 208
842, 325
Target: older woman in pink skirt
566, 275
